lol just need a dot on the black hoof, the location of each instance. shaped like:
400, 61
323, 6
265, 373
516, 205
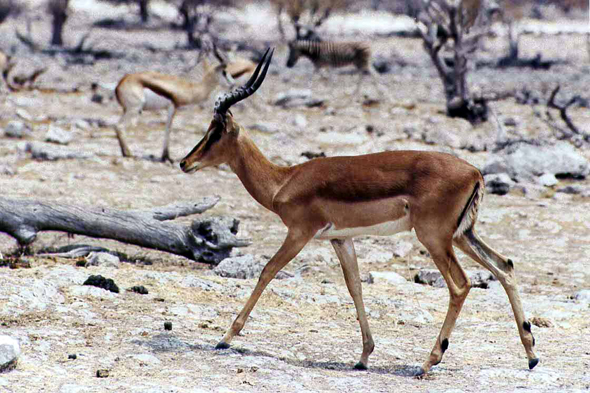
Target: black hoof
419, 373
360, 366
533, 363
222, 345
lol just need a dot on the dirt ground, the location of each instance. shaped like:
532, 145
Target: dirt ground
303, 335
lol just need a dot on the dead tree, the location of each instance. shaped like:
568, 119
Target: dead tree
207, 240
456, 27
144, 12
59, 13
572, 130
306, 16
9, 8
197, 16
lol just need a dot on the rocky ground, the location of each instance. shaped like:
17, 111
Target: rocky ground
303, 334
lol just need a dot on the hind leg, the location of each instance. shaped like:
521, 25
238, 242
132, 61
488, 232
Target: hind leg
120, 128
458, 284
165, 151
503, 268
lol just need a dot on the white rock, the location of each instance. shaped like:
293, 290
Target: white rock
23, 114
103, 259
547, 180
17, 129
402, 248
300, 121
146, 358
583, 296
244, 266
58, 135
389, 277
48, 152
9, 353
527, 161
91, 291
292, 96
266, 127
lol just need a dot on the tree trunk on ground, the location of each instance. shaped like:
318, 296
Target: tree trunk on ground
204, 240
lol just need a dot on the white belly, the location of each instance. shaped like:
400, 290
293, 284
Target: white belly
383, 229
154, 102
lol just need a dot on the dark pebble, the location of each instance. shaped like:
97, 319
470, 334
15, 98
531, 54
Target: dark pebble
139, 289
167, 325
72, 356
101, 282
102, 373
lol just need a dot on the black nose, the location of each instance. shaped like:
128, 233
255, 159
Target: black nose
182, 164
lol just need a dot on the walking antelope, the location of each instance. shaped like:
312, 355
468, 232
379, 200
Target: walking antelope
154, 91
338, 198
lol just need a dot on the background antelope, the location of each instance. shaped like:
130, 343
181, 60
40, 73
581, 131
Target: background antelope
338, 198
154, 91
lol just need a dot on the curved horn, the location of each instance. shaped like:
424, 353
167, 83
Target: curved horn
224, 102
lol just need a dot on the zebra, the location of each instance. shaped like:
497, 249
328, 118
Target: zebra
331, 54
325, 54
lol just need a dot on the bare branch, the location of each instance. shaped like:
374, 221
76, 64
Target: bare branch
563, 109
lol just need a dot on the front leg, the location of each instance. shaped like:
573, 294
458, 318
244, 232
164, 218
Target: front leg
294, 243
345, 250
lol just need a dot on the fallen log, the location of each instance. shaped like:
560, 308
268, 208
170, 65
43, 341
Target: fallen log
207, 240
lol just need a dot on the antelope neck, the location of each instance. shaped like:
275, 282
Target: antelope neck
261, 178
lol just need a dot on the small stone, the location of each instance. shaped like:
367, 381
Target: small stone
541, 322
101, 282
102, 373
58, 135
311, 155
72, 356
17, 129
389, 277
510, 122
103, 259
167, 325
243, 267
547, 180
266, 127
498, 183
23, 114
401, 249
582, 296
571, 189
300, 121
9, 353
49, 152
139, 289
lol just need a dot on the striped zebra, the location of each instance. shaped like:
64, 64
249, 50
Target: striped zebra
331, 54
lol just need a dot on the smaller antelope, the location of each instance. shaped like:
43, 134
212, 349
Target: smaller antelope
339, 198
152, 91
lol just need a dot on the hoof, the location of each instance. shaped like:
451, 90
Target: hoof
533, 363
222, 345
360, 366
419, 373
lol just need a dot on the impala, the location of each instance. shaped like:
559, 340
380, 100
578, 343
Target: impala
338, 198
152, 91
